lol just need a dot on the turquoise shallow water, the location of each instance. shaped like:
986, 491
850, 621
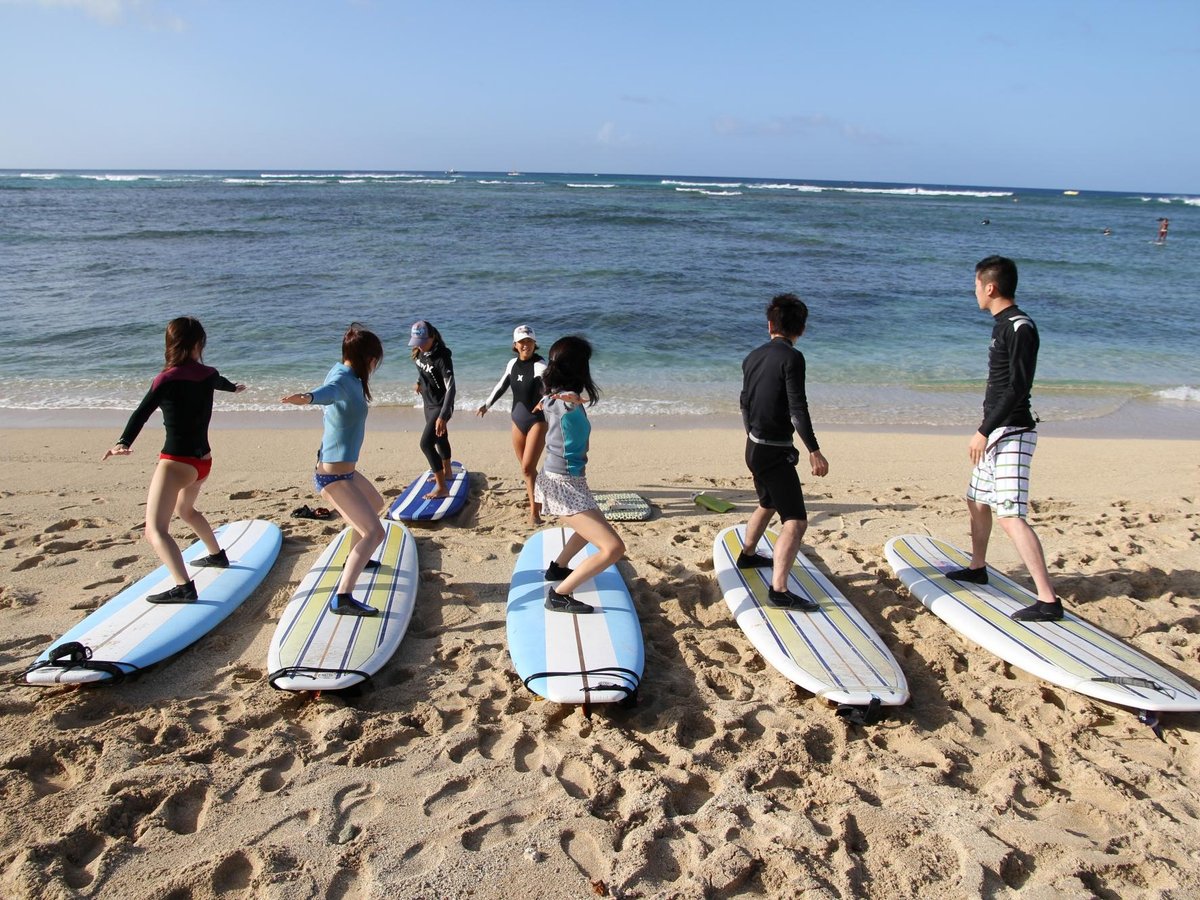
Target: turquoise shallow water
668, 276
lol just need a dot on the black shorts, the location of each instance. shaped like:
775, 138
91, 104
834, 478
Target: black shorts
776, 479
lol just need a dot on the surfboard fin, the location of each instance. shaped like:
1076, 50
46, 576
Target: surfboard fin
1150, 717
861, 715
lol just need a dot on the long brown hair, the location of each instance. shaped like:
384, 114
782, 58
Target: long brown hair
184, 335
363, 350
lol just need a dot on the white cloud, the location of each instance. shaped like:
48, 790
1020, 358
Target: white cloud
114, 12
789, 126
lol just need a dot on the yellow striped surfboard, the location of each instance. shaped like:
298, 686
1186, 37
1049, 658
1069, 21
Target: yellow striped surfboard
1072, 653
313, 649
833, 652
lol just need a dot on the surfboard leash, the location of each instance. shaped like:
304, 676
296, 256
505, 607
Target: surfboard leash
74, 655
309, 672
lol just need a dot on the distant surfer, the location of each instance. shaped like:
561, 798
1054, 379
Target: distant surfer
561, 487
1107, 232
1162, 231
435, 384
183, 390
775, 407
523, 376
1001, 450
346, 397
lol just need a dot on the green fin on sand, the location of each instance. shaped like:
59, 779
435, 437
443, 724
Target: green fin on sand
716, 504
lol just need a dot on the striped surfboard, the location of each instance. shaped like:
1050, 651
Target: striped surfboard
1071, 653
834, 652
592, 658
411, 506
315, 650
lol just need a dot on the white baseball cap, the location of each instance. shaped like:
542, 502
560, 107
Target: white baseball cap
521, 332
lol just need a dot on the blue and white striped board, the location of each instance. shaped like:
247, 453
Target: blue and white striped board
315, 650
133, 634
411, 506
833, 652
1071, 653
592, 658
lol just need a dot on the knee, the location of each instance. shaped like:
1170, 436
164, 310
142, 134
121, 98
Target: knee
376, 535
614, 550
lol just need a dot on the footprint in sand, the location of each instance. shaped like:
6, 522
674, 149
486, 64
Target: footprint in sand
354, 806
236, 872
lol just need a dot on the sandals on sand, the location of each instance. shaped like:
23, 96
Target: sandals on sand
307, 512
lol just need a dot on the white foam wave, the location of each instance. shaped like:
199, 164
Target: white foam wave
572, 185
1185, 392
505, 181
786, 186
703, 184
122, 177
42, 176
707, 193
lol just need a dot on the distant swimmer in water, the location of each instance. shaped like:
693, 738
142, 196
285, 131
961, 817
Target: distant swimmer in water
1162, 231
986, 222
1107, 232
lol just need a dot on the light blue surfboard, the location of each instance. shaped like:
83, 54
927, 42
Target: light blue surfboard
411, 506
592, 658
128, 634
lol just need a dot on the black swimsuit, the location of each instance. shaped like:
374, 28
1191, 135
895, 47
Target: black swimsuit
525, 380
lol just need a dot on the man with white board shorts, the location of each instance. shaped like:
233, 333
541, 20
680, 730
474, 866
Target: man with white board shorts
774, 408
1001, 450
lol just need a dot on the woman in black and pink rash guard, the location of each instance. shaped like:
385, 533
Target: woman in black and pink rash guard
183, 390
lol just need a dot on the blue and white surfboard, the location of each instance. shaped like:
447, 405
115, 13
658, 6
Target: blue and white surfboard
593, 658
411, 506
128, 634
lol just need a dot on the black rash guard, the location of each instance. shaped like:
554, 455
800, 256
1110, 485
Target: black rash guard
435, 374
1012, 359
185, 395
774, 404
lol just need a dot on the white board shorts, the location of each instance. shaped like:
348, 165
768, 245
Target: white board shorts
563, 495
1001, 479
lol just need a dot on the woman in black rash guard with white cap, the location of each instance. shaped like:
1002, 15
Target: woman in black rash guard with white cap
523, 376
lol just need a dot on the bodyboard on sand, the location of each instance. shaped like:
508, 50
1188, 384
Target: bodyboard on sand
593, 658
623, 506
1070, 653
314, 649
832, 652
127, 634
411, 505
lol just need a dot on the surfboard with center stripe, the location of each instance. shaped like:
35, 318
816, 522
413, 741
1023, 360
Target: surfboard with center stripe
411, 506
315, 650
832, 652
593, 658
127, 634
1071, 653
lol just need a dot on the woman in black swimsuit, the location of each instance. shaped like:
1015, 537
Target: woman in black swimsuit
183, 390
523, 376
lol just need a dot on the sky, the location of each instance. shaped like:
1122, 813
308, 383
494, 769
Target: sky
1075, 95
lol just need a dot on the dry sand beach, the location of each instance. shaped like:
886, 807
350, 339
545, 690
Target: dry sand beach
447, 778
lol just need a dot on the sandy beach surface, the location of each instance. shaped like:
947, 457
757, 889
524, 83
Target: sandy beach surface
446, 777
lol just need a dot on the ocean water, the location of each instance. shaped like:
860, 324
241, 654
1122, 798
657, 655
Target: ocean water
669, 277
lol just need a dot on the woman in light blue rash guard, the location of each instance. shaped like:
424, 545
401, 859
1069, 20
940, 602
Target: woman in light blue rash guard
562, 487
346, 395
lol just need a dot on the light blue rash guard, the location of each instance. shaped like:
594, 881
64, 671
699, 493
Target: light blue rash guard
345, 415
568, 432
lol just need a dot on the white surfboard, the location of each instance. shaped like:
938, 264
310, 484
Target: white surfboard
592, 658
128, 634
411, 505
1071, 653
314, 649
833, 652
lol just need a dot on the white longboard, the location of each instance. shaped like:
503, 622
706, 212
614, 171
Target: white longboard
314, 649
592, 658
128, 634
833, 652
1071, 653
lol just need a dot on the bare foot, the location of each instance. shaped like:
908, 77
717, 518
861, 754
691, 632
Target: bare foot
434, 495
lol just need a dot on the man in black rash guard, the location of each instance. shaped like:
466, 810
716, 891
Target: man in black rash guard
1002, 448
774, 407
